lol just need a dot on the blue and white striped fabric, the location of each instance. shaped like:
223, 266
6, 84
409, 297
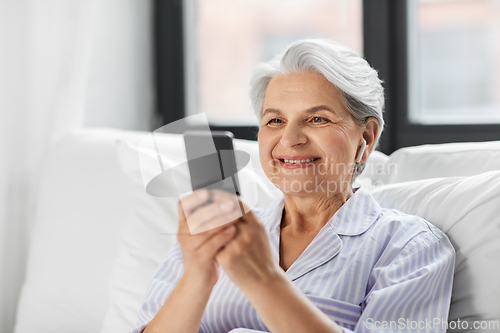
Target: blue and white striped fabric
369, 269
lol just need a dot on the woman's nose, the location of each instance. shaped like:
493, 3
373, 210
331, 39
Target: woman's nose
293, 136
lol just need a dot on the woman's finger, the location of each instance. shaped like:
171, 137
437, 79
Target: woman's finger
222, 208
188, 204
221, 195
197, 238
213, 215
195, 200
218, 240
214, 223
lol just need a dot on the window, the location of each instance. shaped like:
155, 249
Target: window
439, 60
439, 63
454, 61
226, 38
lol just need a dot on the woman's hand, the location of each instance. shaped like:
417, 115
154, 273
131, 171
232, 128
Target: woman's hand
206, 225
247, 259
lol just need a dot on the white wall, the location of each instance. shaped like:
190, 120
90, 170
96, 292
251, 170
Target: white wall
120, 81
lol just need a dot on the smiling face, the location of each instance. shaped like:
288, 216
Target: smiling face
308, 139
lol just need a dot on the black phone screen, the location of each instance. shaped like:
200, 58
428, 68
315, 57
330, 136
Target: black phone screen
209, 169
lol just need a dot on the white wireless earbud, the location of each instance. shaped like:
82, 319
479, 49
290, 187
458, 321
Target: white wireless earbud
361, 151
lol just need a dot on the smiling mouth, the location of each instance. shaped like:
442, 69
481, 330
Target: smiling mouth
299, 161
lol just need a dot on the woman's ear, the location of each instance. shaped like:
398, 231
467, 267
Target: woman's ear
370, 135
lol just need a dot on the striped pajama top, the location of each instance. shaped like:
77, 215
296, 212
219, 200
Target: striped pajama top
369, 269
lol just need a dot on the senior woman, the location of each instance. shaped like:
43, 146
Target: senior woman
323, 258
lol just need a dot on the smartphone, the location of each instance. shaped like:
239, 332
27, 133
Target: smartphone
214, 170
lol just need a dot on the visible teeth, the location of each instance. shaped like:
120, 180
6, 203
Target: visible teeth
300, 161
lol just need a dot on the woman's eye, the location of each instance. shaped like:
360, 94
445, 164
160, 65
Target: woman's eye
318, 120
275, 121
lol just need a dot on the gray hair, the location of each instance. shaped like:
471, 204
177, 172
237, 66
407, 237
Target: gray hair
357, 82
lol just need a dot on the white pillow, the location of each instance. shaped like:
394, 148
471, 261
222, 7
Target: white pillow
81, 202
149, 230
443, 160
467, 209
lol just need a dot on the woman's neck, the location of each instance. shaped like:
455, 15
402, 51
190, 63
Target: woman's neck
308, 213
